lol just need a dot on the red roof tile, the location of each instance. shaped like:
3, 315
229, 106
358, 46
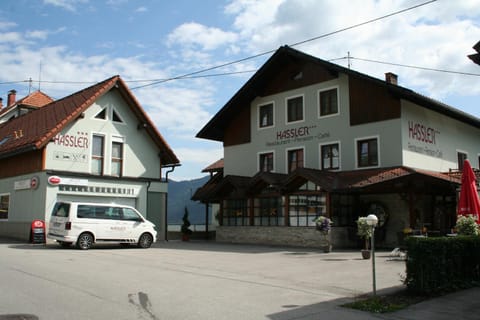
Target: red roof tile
35, 99
35, 129
214, 167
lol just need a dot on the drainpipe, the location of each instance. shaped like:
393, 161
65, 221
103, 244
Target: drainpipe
172, 168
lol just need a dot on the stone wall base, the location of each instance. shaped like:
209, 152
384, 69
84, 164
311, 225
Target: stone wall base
292, 236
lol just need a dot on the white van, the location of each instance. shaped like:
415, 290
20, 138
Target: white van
84, 224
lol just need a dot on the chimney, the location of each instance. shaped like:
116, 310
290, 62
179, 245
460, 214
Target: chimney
12, 96
1, 103
391, 78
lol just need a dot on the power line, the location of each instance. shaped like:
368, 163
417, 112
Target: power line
406, 66
195, 74
364, 23
417, 67
292, 45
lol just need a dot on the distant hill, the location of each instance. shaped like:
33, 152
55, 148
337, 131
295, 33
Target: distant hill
179, 194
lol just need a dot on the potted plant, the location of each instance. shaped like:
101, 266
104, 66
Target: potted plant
324, 225
185, 229
365, 232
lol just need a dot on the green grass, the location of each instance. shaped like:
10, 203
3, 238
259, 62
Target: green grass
386, 303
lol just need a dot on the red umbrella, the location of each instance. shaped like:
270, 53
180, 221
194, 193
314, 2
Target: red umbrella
469, 203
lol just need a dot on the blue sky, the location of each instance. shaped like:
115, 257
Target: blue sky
66, 45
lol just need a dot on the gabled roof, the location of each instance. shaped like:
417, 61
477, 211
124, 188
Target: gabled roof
34, 100
341, 181
35, 129
378, 180
215, 128
264, 180
215, 167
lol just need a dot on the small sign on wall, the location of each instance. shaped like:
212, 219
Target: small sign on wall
26, 184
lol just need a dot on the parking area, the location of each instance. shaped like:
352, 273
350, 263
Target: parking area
187, 280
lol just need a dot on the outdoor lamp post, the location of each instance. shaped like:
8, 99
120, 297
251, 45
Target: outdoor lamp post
372, 221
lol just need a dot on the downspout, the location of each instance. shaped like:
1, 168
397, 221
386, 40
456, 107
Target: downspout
172, 168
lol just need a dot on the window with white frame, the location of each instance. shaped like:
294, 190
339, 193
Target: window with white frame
265, 162
295, 109
461, 157
328, 102
4, 206
265, 115
98, 144
330, 156
117, 158
367, 152
295, 159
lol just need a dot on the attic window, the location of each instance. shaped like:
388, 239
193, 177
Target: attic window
102, 114
116, 117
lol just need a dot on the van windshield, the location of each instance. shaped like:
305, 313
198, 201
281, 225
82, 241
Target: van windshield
61, 209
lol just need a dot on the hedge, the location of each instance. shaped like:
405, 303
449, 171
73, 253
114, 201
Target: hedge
444, 264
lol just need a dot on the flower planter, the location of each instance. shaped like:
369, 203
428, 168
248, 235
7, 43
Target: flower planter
366, 254
327, 248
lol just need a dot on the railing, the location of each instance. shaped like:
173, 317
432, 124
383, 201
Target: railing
193, 227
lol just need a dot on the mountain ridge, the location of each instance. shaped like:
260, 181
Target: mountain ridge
179, 197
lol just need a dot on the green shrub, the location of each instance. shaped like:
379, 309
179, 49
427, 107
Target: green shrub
466, 225
364, 230
437, 265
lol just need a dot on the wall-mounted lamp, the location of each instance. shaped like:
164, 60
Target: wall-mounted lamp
142, 125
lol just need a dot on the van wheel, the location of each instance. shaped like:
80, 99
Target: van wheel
85, 241
145, 241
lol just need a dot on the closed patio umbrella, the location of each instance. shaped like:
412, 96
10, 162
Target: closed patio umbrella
469, 203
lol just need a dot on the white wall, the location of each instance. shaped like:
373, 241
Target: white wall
311, 133
71, 150
431, 141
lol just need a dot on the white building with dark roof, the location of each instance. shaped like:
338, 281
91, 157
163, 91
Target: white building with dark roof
305, 137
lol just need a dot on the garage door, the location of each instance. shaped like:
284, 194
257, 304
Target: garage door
117, 200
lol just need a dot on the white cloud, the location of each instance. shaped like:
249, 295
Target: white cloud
11, 37
69, 5
141, 9
4, 25
178, 109
196, 158
194, 35
37, 34
437, 36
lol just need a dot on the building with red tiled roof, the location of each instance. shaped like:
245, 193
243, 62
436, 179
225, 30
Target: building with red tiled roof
305, 137
95, 145
14, 108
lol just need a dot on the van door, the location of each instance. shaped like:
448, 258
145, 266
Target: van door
89, 218
134, 223
115, 228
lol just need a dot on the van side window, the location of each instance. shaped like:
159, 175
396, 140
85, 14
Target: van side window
87, 212
129, 214
113, 213
61, 209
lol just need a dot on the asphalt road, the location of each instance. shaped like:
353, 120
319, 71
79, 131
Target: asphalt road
187, 280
